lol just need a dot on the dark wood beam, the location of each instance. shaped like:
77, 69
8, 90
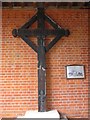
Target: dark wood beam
52, 43
70, 4
10, 4
30, 22
38, 32
41, 61
57, 38
47, 4
51, 22
30, 43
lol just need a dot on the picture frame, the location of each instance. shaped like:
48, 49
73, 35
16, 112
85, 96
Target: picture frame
75, 71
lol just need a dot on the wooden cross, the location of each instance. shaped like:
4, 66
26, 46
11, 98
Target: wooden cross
41, 33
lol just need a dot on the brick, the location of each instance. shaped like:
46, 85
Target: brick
18, 81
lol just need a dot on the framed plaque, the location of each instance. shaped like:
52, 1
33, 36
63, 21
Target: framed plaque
75, 71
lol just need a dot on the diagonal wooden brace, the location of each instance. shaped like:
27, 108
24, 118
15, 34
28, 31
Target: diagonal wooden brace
56, 39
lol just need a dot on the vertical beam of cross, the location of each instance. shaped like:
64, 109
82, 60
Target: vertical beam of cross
41, 62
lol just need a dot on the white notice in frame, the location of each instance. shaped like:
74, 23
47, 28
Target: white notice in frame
75, 71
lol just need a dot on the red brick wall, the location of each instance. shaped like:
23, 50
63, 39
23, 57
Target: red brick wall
18, 85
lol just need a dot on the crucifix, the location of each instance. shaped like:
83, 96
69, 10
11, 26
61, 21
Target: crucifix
41, 33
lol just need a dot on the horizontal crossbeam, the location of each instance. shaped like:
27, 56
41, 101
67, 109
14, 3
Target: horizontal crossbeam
40, 32
25, 33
